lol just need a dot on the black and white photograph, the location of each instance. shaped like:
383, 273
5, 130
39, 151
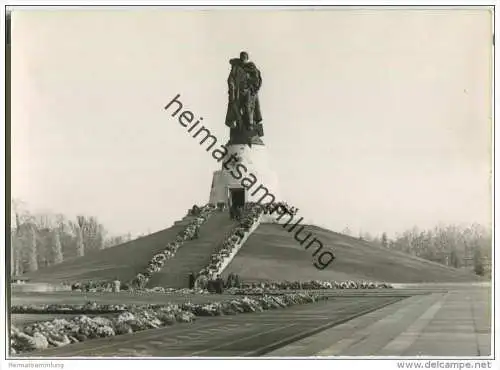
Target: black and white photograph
249, 182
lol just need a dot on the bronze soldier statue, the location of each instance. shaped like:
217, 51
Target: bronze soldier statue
243, 112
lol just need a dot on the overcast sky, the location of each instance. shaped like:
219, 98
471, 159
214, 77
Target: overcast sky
374, 119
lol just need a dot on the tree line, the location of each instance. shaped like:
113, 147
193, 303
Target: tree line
451, 245
40, 240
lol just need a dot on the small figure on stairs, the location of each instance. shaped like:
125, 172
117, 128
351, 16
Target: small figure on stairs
229, 282
239, 213
116, 285
219, 285
192, 280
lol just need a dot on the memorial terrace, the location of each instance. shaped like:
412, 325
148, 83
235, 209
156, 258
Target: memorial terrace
220, 153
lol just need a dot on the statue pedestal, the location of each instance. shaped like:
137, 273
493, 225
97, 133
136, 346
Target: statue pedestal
255, 160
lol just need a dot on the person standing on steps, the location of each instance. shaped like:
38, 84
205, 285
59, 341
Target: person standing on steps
229, 282
201, 282
116, 285
192, 279
239, 213
219, 285
232, 212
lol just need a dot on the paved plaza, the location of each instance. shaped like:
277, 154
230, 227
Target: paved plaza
430, 321
454, 323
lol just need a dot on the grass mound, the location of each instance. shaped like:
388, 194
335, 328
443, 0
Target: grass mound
272, 253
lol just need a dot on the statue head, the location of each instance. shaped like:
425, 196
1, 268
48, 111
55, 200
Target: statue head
244, 56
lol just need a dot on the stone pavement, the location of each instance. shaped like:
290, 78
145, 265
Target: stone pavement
252, 334
452, 323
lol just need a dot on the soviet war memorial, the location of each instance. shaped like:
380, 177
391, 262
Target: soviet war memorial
261, 255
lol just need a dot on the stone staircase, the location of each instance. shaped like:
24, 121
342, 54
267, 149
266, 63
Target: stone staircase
194, 254
238, 246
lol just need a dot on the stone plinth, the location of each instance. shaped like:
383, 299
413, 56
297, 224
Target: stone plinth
252, 167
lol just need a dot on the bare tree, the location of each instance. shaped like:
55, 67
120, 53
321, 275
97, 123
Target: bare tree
15, 241
384, 240
40, 239
450, 245
32, 251
114, 241
57, 248
80, 247
15, 253
44, 221
478, 263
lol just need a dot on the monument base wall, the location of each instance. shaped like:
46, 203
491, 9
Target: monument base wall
252, 168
